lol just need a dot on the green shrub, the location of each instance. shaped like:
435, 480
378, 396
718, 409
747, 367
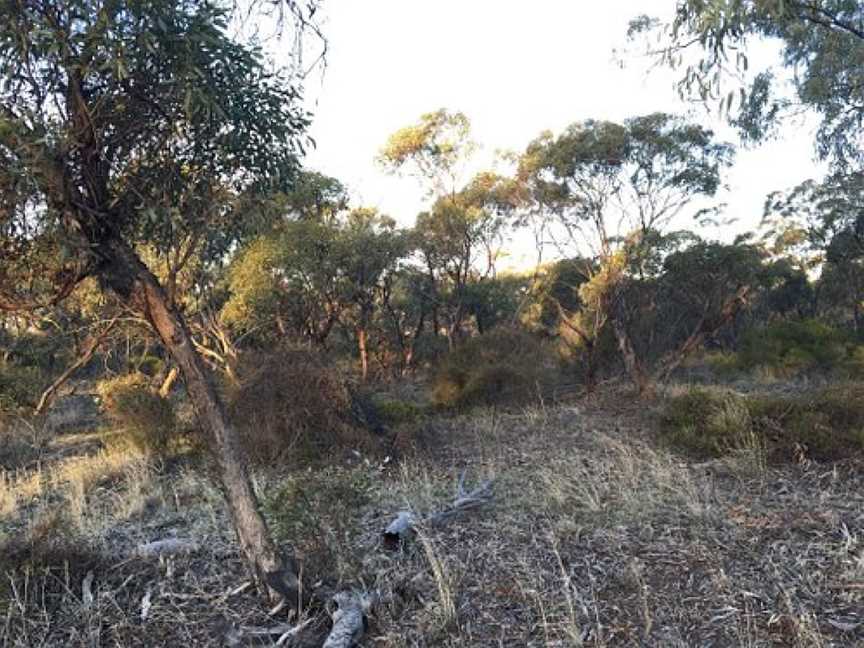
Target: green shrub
395, 412
825, 424
292, 404
147, 420
20, 387
723, 364
319, 513
707, 422
794, 347
506, 365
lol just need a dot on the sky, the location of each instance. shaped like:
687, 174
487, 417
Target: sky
515, 68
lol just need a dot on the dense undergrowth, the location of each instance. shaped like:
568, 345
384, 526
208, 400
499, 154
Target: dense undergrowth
823, 424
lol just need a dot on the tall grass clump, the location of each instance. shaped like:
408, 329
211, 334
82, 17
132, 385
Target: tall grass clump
823, 424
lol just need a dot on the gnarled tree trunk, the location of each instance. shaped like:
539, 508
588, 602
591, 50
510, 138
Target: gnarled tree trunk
125, 274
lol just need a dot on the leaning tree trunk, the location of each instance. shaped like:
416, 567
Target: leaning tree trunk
124, 273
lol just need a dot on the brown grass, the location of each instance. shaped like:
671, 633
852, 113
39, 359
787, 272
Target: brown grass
292, 405
596, 537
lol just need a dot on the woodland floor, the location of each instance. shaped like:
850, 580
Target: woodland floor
595, 537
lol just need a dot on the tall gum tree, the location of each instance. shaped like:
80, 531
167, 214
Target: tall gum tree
128, 123
610, 188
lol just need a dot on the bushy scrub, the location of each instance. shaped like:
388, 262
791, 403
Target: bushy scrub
319, 512
20, 387
291, 403
824, 424
145, 419
794, 347
396, 412
504, 366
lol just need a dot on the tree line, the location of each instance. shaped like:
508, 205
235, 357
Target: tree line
151, 194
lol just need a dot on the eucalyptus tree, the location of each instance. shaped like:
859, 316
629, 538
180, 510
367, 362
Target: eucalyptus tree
821, 67
823, 221
460, 236
611, 188
435, 151
126, 123
372, 252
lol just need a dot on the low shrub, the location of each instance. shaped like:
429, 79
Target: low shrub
824, 424
397, 412
319, 513
147, 420
291, 403
20, 387
707, 422
723, 364
789, 348
504, 366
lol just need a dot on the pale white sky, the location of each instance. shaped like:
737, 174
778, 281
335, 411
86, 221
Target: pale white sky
514, 68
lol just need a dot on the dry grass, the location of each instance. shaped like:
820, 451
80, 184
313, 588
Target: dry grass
292, 406
596, 537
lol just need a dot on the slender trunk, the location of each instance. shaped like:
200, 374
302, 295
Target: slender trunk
168, 383
87, 353
364, 354
125, 274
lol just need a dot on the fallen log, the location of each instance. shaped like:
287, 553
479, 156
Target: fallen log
349, 619
402, 527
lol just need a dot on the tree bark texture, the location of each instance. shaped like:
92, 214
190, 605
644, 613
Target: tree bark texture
124, 273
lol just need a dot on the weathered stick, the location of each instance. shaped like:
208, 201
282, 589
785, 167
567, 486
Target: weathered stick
403, 526
166, 547
286, 632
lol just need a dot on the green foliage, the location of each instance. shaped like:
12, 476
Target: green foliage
433, 149
794, 347
824, 424
506, 366
317, 512
20, 387
146, 420
706, 422
397, 412
231, 122
305, 276
822, 43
